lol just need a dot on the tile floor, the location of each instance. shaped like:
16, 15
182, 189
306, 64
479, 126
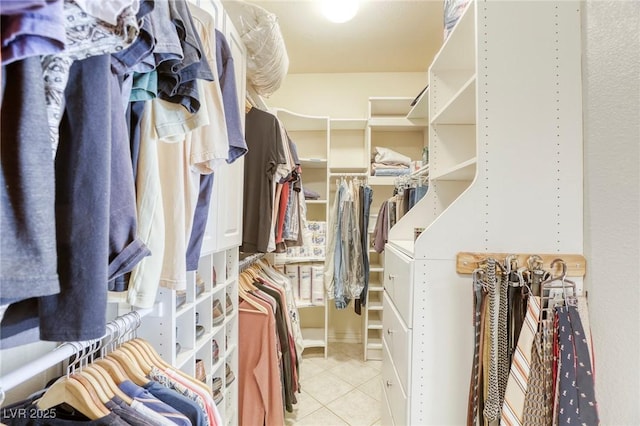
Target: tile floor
340, 390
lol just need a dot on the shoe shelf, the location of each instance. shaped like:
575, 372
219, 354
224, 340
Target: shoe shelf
197, 322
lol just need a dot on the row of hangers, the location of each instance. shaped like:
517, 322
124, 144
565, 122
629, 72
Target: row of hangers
90, 382
553, 289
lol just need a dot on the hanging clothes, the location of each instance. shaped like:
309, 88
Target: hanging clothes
345, 271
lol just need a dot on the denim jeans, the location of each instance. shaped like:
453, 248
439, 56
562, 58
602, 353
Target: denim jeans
365, 202
341, 301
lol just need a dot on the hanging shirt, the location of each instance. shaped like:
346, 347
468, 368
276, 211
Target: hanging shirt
264, 141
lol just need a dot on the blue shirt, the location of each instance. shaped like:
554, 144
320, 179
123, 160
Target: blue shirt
148, 400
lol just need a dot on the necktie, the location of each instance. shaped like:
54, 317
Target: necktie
513, 406
492, 403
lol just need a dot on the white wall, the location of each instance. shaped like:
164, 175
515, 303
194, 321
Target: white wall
611, 79
342, 95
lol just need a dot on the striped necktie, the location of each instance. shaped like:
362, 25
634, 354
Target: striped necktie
513, 406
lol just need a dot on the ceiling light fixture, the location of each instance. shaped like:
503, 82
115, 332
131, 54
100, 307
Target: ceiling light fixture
339, 11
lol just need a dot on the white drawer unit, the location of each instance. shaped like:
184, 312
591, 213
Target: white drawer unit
392, 390
398, 282
397, 338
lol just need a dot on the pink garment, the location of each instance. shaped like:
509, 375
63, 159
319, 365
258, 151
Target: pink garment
260, 387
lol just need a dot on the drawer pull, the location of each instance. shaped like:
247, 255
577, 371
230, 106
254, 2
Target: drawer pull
390, 331
392, 277
389, 383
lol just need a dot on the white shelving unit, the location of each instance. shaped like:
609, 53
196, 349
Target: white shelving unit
393, 123
505, 128
311, 136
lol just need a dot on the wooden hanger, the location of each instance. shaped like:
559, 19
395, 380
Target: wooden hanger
102, 375
247, 106
136, 355
93, 386
160, 363
113, 369
68, 390
245, 282
132, 370
246, 296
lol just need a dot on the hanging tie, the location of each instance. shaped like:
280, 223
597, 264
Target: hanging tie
513, 406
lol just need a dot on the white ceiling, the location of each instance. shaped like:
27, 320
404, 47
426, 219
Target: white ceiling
385, 36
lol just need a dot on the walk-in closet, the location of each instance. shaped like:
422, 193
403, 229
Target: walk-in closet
320, 213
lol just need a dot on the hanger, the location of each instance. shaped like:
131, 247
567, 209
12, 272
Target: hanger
564, 284
246, 296
247, 106
70, 390
109, 384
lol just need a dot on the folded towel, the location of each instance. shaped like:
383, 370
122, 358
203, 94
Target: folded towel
389, 156
310, 194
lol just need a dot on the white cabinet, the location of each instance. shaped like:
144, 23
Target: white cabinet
505, 149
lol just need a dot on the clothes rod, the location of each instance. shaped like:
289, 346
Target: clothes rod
249, 260
467, 262
56, 356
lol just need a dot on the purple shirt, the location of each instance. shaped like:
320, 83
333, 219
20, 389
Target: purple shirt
33, 33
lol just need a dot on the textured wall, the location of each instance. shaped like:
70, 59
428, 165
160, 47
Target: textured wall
611, 80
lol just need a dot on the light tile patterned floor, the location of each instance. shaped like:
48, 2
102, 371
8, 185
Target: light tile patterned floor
341, 390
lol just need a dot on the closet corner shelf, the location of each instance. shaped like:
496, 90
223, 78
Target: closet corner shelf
375, 287
460, 109
374, 305
315, 201
462, 171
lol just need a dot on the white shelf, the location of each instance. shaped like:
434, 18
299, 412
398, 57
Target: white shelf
461, 108
374, 343
395, 124
421, 109
300, 122
183, 357
348, 123
389, 106
184, 308
313, 163
463, 171
375, 288
302, 259
374, 305
314, 337
376, 268
302, 305
315, 201
374, 324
